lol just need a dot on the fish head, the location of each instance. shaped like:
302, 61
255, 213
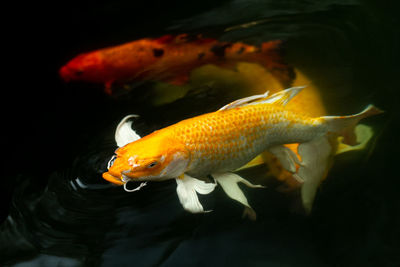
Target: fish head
85, 67
148, 159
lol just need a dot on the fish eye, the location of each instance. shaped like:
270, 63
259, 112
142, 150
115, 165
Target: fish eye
78, 72
151, 165
111, 161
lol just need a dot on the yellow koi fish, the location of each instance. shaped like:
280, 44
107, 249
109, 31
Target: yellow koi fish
220, 142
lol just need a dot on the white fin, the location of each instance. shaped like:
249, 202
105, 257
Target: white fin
243, 101
281, 98
229, 183
315, 159
124, 133
286, 157
187, 190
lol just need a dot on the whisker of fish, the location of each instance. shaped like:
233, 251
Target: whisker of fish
135, 189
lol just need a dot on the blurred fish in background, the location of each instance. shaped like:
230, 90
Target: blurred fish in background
167, 58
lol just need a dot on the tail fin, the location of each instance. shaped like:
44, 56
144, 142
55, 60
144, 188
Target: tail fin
344, 125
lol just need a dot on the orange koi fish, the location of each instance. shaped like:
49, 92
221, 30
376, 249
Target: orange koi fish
168, 58
220, 142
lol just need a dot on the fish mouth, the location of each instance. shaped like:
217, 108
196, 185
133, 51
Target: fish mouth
122, 181
113, 179
127, 177
66, 73
118, 180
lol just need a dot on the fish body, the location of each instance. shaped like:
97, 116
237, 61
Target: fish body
226, 140
168, 58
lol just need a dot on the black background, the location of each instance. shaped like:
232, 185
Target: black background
47, 123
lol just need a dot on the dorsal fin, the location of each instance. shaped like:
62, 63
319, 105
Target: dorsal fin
280, 98
244, 101
283, 97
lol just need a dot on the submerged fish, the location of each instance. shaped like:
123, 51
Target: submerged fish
220, 142
168, 58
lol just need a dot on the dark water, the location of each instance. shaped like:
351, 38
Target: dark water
58, 211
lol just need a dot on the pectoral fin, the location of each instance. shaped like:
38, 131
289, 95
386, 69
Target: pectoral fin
124, 133
187, 190
229, 183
